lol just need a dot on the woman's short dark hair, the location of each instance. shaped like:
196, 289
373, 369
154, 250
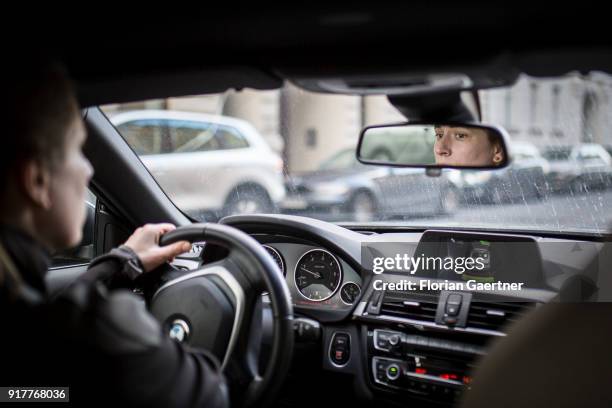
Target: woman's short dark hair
38, 105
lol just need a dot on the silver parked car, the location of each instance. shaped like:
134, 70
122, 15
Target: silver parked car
235, 169
576, 169
523, 179
344, 189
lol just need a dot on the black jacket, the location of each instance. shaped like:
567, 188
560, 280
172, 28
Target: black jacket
99, 341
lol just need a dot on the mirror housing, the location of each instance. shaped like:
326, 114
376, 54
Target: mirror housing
458, 145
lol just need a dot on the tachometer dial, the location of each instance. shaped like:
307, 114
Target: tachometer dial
277, 258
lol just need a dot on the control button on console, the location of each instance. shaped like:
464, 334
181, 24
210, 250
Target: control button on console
393, 372
340, 349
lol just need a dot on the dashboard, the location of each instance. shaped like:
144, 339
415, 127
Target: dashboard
316, 277
422, 345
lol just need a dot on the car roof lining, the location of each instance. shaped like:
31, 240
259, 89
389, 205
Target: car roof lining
135, 54
502, 70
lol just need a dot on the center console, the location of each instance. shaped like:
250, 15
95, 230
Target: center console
426, 345
428, 367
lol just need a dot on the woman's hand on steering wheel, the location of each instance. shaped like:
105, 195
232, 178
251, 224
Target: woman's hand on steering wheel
145, 243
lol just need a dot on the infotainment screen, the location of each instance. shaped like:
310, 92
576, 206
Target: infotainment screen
474, 253
485, 258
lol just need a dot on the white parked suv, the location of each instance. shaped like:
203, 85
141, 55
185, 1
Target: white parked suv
206, 164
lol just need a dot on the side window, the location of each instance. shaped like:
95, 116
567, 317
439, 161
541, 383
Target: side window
592, 156
84, 252
192, 136
149, 136
231, 138
523, 156
162, 136
411, 151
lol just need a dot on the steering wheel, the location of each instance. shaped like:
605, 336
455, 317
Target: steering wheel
218, 307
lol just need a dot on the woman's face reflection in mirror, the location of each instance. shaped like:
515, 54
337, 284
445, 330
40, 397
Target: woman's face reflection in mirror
466, 146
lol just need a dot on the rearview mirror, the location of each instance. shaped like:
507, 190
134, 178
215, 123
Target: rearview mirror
455, 145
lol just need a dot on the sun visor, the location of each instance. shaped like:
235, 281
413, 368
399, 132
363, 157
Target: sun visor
133, 88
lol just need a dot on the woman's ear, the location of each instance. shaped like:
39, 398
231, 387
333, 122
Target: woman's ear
35, 180
498, 154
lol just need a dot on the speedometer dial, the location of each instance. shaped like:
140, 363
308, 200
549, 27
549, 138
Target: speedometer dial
317, 275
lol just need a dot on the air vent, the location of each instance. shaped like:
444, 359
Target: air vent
496, 315
414, 306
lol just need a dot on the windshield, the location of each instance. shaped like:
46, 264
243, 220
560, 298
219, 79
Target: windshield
290, 151
343, 160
